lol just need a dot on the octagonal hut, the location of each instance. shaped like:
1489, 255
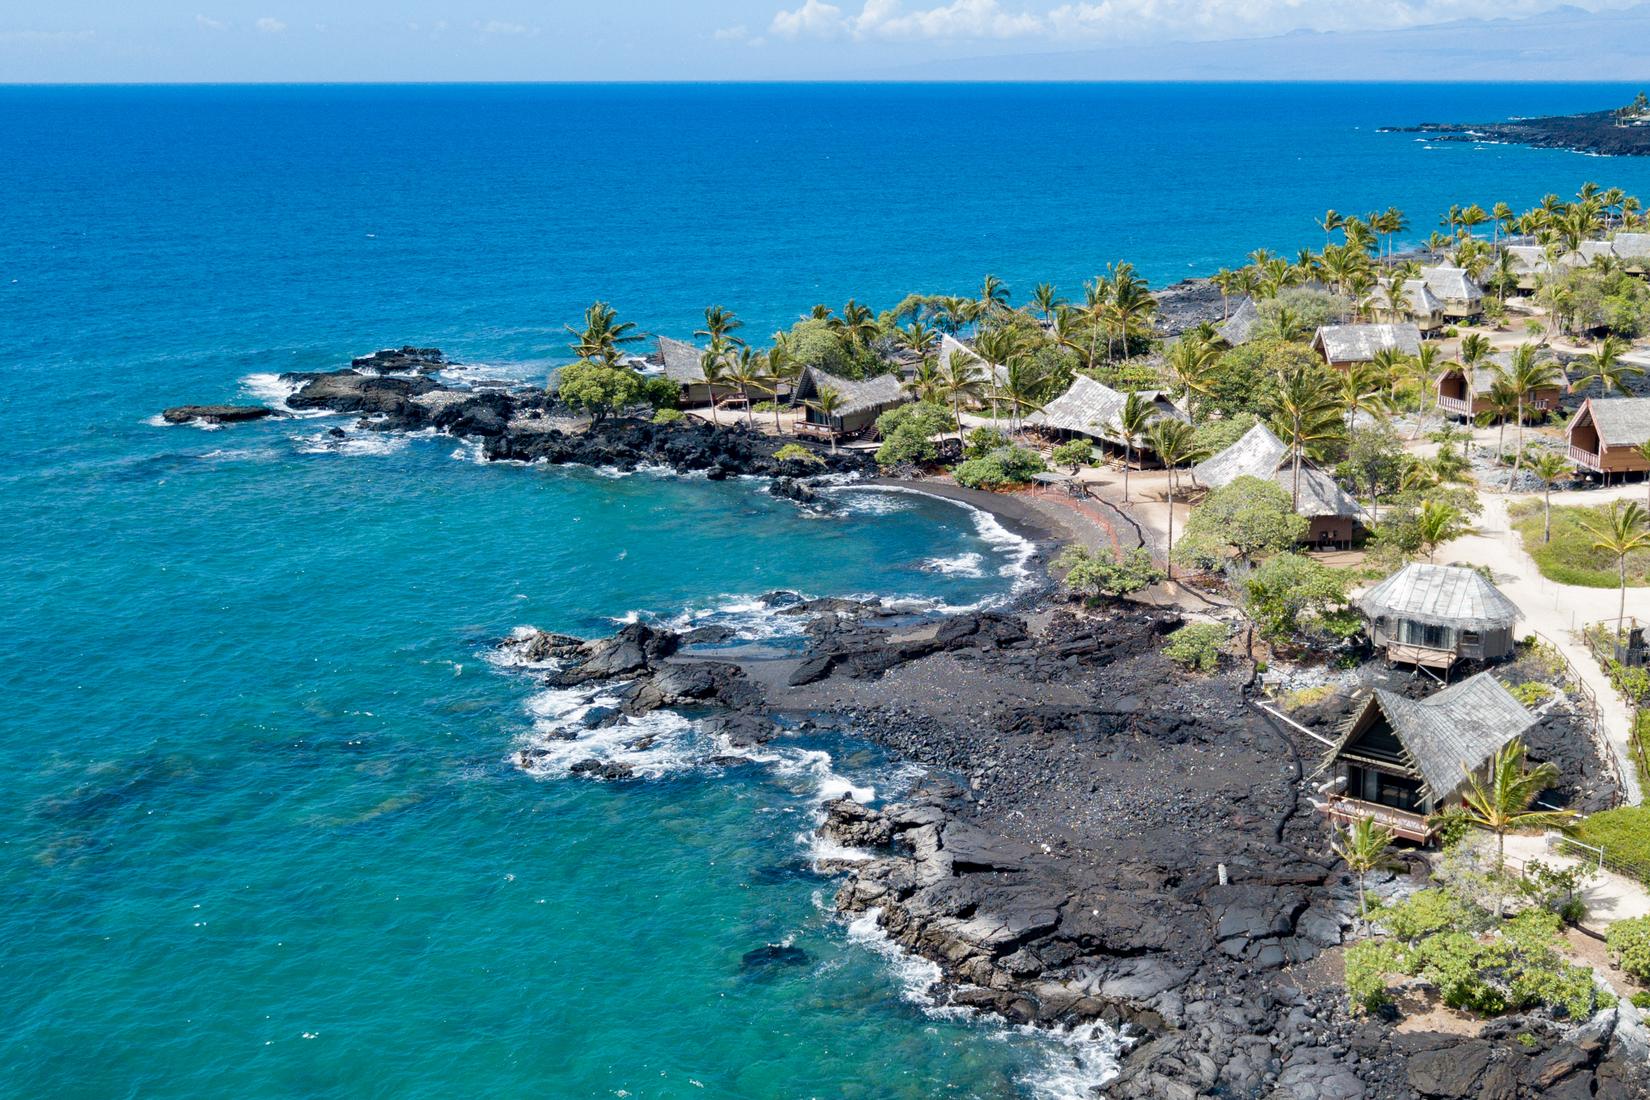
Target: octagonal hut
1436, 615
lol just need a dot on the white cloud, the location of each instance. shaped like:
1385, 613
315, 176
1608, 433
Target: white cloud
267, 25
495, 26
732, 34
44, 38
1136, 20
209, 24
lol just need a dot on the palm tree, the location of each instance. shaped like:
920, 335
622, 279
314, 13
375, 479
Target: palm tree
783, 370
858, 323
599, 341
1132, 304
1225, 281
1603, 365
1307, 413
1526, 375
1172, 440
719, 327
713, 364
1046, 300
993, 293
925, 383
1436, 524
747, 371
917, 337
1472, 217
1643, 450
1551, 468
1503, 407
1331, 221
1503, 804
1364, 846
826, 402
1189, 361
1023, 379
1133, 419
1625, 531
1363, 388
960, 377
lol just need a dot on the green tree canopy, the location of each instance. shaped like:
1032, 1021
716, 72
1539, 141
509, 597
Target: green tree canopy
1249, 516
599, 389
1289, 595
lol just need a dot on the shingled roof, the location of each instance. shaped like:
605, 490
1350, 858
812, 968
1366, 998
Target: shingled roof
1092, 408
1447, 735
1530, 259
1452, 284
1420, 297
1261, 454
950, 344
1359, 343
1239, 328
1440, 595
1632, 246
1592, 250
883, 391
681, 361
1620, 421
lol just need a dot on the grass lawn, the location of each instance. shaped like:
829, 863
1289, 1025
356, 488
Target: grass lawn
1570, 557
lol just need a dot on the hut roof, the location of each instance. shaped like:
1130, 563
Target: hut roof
950, 344
1620, 421
1092, 408
1530, 259
883, 391
1451, 733
1592, 250
1359, 343
1440, 595
681, 361
1420, 297
1261, 454
1452, 284
1632, 246
1239, 328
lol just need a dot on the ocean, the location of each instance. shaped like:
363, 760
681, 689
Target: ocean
268, 835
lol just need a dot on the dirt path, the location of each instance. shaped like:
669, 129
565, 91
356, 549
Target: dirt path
1556, 611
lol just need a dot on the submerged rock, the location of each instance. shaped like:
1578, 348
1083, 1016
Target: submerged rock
215, 414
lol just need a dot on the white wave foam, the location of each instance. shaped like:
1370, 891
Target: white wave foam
364, 443
273, 390
915, 975
963, 565
470, 450
650, 745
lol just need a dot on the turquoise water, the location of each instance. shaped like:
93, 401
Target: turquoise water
267, 835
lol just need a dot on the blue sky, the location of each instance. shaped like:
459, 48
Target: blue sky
307, 40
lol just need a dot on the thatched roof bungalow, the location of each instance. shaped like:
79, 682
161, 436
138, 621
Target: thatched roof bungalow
1400, 760
1633, 250
1466, 394
1342, 346
1531, 266
991, 373
862, 402
1336, 518
1435, 615
1239, 328
684, 365
1092, 409
1461, 295
1606, 432
1418, 305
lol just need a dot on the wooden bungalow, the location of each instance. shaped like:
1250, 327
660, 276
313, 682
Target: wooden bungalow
1593, 251
1342, 346
1092, 409
1466, 394
1239, 328
990, 374
683, 366
1436, 615
1419, 305
1336, 519
1531, 267
862, 402
1633, 250
1461, 296
1399, 760
1606, 432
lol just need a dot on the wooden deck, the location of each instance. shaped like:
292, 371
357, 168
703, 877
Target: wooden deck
1460, 406
1587, 459
1421, 655
1402, 823
816, 431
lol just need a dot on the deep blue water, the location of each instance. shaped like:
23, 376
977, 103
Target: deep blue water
266, 835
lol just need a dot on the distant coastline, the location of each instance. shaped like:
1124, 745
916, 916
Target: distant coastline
1620, 132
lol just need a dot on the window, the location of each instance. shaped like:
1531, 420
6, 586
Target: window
1427, 635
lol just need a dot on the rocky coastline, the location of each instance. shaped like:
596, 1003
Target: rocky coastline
1596, 132
1097, 838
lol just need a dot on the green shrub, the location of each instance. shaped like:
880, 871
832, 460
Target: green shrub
1531, 693
1641, 999
796, 452
1629, 944
668, 416
1107, 574
1196, 645
1076, 453
1003, 467
1570, 557
1517, 969
982, 441
1425, 913
1368, 962
907, 433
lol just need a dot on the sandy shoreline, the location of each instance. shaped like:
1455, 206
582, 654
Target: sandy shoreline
1013, 510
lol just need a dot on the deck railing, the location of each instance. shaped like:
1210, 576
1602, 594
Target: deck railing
1586, 458
1410, 826
816, 431
1458, 405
